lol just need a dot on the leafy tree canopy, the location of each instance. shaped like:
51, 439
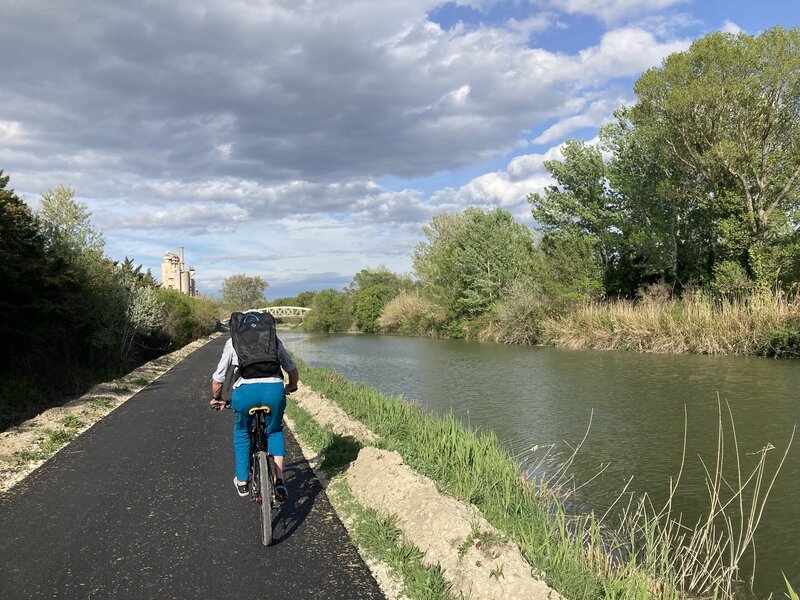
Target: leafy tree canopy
242, 292
728, 111
302, 299
471, 258
67, 224
330, 312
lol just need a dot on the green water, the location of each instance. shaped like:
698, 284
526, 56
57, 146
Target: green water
531, 396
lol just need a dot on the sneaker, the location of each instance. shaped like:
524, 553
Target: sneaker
281, 495
242, 488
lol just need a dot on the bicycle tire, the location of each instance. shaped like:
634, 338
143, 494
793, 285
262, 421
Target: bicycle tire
265, 508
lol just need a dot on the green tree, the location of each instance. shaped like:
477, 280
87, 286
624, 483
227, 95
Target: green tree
131, 269
727, 111
369, 303
100, 290
242, 292
471, 259
330, 312
668, 232
66, 224
581, 201
568, 270
184, 318
31, 295
302, 299
372, 290
433, 259
491, 253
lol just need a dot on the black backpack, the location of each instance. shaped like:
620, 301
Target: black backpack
256, 345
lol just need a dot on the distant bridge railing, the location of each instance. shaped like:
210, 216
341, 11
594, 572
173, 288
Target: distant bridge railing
280, 312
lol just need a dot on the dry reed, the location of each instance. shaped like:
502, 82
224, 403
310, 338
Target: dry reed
694, 325
704, 560
411, 314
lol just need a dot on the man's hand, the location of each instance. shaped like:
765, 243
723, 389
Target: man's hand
217, 404
289, 388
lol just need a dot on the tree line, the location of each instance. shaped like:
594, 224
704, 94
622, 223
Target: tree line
70, 314
691, 194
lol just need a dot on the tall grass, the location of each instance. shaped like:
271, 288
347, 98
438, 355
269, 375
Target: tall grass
636, 551
409, 313
760, 324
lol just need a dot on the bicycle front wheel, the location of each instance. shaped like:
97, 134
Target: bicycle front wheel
265, 512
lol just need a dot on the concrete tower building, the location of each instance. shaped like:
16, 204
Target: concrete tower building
173, 275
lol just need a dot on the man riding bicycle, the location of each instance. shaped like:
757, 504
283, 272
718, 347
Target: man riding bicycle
249, 393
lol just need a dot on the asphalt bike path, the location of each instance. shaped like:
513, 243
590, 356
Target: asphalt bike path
142, 505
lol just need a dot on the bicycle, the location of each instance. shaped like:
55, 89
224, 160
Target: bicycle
262, 490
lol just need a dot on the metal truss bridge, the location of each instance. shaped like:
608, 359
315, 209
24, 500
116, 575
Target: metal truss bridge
281, 312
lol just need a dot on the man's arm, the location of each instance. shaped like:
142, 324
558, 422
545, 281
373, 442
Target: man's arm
291, 369
216, 395
218, 378
294, 377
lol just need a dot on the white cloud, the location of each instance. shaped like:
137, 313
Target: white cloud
507, 189
598, 113
626, 52
11, 133
730, 27
215, 117
533, 24
613, 10
270, 92
666, 25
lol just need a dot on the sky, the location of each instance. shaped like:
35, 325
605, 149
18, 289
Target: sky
305, 140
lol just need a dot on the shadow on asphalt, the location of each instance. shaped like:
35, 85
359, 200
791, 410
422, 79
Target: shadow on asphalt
303, 491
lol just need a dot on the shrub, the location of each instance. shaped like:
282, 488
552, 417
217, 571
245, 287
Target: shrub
518, 318
185, 318
409, 313
330, 312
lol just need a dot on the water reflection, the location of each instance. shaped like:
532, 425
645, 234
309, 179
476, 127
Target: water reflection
637, 404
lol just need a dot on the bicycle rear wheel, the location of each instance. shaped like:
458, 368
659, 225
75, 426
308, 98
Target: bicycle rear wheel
265, 508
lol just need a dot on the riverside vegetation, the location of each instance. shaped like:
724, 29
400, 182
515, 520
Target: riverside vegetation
676, 232
634, 550
72, 316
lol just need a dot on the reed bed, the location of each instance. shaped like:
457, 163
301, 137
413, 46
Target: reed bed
409, 313
632, 551
765, 324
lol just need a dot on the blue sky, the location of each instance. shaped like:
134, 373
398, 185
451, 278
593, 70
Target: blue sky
304, 140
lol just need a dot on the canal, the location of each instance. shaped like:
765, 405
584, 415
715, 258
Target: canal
540, 402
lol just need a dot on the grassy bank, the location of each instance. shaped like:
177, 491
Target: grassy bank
761, 324
645, 555
376, 535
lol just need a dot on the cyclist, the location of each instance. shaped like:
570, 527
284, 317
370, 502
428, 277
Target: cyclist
247, 394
